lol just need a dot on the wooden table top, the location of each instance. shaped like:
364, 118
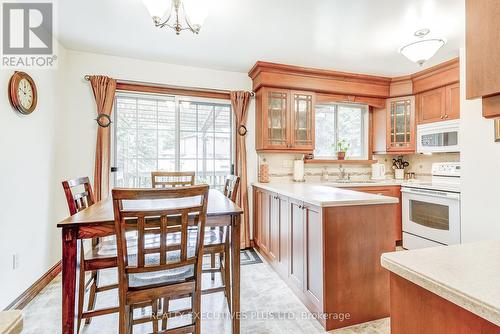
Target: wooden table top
102, 212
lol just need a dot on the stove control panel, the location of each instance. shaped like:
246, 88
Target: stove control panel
449, 169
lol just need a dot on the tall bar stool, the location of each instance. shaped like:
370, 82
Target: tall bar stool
170, 270
172, 179
102, 254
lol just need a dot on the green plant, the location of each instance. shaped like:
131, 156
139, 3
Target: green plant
343, 146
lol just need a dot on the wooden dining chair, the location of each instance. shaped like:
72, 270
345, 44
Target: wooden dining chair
168, 271
101, 255
172, 179
217, 244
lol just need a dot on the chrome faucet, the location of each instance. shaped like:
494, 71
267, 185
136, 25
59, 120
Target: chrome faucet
343, 175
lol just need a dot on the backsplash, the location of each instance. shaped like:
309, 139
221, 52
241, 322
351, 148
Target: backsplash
281, 166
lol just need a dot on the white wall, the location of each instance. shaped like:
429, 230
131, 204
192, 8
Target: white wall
480, 157
28, 183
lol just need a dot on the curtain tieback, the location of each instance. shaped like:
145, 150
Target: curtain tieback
242, 130
103, 120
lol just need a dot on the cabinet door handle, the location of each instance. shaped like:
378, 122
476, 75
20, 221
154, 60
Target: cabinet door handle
445, 116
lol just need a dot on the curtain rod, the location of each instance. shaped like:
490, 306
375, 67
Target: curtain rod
87, 78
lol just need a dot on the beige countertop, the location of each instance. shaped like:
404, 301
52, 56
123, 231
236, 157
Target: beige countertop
467, 275
325, 194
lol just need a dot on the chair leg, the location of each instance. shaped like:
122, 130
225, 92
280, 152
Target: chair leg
124, 322
81, 290
212, 265
197, 310
164, 317
227, 276
92, 293
154, 315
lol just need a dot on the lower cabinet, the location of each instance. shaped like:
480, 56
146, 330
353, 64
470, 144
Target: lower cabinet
289, 234
392, 191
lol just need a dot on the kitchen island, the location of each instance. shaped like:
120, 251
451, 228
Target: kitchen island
447, 289
325, 243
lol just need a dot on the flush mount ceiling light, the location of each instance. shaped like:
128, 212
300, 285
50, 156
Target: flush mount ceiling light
183, 14
422, 50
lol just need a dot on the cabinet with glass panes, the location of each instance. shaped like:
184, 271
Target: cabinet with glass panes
401, 125
284, 120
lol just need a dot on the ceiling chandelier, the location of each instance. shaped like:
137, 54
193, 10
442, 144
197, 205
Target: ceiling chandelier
423, 49
183, 14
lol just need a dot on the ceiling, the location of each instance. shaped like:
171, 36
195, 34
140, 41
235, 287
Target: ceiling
348, 35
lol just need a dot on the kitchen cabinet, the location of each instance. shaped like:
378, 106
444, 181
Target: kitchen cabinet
452, 101
284, 120
262, 200
393, 191
441, 104
400, 130
328, 256
482, 50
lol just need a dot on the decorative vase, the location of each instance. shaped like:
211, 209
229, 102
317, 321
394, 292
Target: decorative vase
399, 174
341, 155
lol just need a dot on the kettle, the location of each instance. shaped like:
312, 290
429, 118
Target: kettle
378, 171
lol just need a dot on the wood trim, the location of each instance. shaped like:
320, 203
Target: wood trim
371, 101
339, 162
266, 74
20, 302
172, 90
437, 76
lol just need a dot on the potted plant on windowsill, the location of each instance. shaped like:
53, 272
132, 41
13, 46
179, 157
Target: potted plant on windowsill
342, 148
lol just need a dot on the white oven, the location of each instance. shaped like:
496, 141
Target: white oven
438, 137
431, 211
431, 215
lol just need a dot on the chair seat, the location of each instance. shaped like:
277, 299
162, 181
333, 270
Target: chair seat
163, 277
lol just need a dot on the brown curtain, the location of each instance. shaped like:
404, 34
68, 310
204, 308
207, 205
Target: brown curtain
104, 89
240, 101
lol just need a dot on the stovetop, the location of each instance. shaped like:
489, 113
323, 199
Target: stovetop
445, 177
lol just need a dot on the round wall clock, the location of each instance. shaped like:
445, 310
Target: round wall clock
22, 93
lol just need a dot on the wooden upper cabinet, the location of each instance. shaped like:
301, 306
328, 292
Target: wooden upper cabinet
483, 54
431, 106
441, 104
302, 120
284, 120
452, 109
401, 125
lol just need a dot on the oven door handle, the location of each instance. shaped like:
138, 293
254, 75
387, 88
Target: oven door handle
434, 193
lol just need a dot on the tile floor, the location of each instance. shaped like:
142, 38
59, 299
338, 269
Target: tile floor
262, 293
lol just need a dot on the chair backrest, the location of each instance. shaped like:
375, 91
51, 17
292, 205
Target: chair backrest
231, 187
77, 201
162, 215
172, 179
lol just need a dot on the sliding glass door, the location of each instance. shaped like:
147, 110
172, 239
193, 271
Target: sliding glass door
171, 133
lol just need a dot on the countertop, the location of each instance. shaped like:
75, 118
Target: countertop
467, 275
325, 194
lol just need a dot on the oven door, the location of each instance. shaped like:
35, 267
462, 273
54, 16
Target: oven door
430, 214
438, 137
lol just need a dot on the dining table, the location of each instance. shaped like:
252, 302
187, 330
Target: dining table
98, 221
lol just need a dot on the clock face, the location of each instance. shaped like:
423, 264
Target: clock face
25, 94
22, 93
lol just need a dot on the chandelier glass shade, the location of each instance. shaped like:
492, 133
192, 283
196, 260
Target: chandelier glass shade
178, 14
423, 49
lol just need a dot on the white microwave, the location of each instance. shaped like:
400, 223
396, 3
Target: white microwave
438, 137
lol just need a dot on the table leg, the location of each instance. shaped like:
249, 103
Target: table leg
70, 274
235, 273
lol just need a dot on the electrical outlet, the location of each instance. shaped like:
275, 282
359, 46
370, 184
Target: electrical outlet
15, 261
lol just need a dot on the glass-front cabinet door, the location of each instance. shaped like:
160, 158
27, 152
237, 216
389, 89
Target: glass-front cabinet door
276, 104
302, 114
401, 124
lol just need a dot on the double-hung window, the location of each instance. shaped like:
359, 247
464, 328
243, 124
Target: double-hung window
337, 122
171, 133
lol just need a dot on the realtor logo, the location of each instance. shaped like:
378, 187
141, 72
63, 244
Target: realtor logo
27, 34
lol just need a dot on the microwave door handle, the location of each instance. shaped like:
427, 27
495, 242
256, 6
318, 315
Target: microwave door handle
434, 193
